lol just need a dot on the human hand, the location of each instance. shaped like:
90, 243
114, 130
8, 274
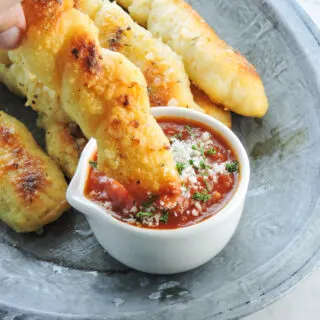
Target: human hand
12, 24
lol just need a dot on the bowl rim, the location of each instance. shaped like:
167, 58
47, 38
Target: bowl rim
77, 199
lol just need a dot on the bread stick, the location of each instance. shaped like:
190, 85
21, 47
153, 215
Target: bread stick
32, 188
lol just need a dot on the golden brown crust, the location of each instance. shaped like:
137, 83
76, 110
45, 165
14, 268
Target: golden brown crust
64, 144
30, 179
45, 11
216, 111
162, 94
97, 87
32, 189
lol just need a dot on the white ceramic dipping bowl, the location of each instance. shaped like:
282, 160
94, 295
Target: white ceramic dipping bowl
164, 251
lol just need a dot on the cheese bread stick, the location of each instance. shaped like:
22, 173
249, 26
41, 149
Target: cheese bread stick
220, 71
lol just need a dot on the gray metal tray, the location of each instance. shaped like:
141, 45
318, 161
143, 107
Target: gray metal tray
65, 274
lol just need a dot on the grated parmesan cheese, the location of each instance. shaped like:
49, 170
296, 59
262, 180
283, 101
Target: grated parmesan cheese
157, 81
218, 168
173, 102
195, 212
134, 209
150, 56
206, 136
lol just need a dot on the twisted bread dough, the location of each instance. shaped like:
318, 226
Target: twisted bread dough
102, 92
221, 72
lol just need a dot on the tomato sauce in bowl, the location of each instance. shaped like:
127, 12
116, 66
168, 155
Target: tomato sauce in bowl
208, 169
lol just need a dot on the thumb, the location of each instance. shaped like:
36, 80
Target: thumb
12, 27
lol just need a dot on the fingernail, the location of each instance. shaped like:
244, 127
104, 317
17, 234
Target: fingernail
10, 38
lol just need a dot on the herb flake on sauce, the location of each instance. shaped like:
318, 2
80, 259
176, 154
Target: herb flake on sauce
232, 167
93, 164
144, 214
204, 196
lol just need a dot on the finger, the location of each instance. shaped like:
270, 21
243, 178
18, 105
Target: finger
13, 17
10, 39
12, 27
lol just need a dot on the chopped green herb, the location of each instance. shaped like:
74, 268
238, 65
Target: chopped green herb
202, 152
201, 196
164, 218
180, 166
189, 129
233, 166
211, 151
192, 163
178, 136
93, 164
204, 174
144, 214
203, 165
149, 201
201, 149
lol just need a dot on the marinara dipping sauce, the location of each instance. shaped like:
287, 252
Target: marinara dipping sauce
208, 169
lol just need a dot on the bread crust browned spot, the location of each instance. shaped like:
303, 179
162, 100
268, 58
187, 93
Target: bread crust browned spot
85, 50
159, 95
115, 40
32, 188
30, 177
